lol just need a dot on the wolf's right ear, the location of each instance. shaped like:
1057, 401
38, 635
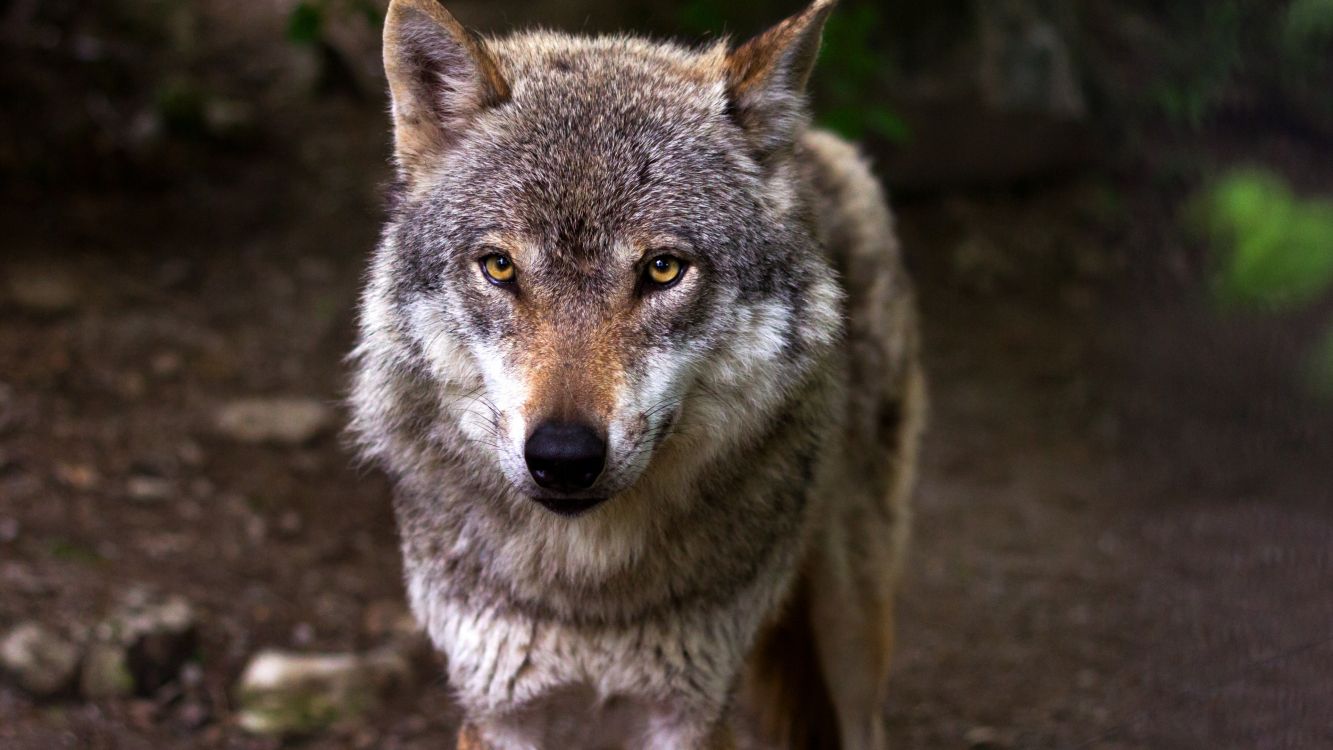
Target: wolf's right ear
440, 77
766, 77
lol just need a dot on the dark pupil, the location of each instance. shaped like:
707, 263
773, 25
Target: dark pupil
502, 263
662, 264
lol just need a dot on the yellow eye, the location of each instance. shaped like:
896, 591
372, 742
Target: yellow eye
499, 269
665, 270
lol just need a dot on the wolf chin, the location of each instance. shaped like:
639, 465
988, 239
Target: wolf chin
639, 353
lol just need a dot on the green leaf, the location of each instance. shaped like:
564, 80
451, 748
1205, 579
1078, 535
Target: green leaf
845, 121
305, 23
1308, 24
702, 17
888, 125
1276, 249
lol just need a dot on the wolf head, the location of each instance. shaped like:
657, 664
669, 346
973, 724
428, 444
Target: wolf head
602, 270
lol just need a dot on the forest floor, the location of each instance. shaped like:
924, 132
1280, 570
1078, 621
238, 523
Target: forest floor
1124, 526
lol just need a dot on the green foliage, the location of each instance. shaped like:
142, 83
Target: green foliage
1275, 251
63, 549
702, 17
1276, 248
851, 76
180, 104
1307, 26
308, 20
1201, 70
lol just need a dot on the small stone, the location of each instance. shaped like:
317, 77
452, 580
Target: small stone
289, 524
43, 289
286, 694
192, 676
985, 738
285, 421
229, 119
152, 638
22, 578
147, 489
106, 672
165, 364
40, 661
78, 476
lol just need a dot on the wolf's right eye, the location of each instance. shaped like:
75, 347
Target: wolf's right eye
498, 269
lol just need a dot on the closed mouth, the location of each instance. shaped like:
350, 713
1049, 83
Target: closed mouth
569, 506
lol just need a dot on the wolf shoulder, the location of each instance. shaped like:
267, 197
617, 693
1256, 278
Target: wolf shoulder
855, 223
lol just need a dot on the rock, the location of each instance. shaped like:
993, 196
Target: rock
78, 476
285, 421
106, 673
290, 524
1025, 62
149, 489
165, 364
230, 119
150, 638
42, 288
40, 661
22, 578
286, 694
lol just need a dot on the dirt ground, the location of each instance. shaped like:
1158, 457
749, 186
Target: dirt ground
1124, 528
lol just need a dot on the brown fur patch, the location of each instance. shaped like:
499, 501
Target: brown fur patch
574, 373
468, 739
789, 47
786, 686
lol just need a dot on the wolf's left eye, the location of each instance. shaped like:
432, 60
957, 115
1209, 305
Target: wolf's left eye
664, 270
499, 269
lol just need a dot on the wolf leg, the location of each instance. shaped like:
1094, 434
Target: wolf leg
784, 687
851, 608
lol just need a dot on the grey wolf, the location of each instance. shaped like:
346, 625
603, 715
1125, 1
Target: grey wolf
638, 350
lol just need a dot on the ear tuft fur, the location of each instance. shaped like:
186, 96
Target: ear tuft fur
767, 76
440, 77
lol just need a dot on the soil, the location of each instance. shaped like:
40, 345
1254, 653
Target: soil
1124, 527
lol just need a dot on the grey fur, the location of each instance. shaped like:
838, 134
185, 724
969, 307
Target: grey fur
755, 411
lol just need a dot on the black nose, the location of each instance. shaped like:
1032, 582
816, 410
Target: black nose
565, 457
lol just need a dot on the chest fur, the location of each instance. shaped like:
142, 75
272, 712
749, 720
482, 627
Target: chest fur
504, 663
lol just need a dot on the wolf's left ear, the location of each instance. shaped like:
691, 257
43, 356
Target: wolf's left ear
440, 75
767, 76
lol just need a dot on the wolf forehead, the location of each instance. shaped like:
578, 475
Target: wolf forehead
602, 142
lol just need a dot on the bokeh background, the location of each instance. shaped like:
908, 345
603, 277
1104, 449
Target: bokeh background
1118, 214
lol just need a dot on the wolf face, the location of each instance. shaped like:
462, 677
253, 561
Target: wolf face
599, 250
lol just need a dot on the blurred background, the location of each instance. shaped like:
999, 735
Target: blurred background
1120, 217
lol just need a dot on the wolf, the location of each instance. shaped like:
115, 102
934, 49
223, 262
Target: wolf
639, 353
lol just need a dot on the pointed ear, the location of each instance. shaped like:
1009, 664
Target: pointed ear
767, 75
440, 75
